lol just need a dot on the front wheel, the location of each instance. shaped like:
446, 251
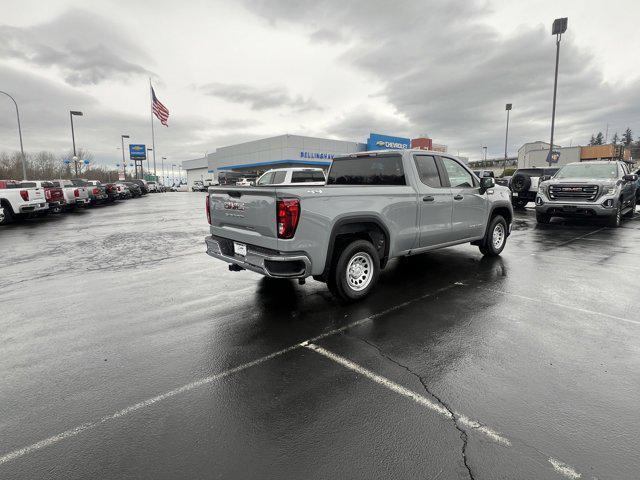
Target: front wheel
5, 215
542, 218
495, 238
632, 209
616, 219
356, 271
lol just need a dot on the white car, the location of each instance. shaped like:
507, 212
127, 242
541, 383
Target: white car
18, 201
244, 182
152, 186
293, 176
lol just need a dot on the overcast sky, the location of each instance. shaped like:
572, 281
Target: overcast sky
237, 71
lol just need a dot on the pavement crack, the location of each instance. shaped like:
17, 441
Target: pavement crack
455, 418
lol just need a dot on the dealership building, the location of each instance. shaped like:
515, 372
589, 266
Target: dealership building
258, 156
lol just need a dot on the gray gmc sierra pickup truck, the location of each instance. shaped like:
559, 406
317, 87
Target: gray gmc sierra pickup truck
603, 189
375, 206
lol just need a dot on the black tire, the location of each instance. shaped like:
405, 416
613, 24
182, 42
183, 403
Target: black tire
542, 218
520, 183
632, 210
365, 262
7, 216
615, 220
519, 204
490, 247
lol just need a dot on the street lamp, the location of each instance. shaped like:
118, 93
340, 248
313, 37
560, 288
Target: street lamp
73, 137
24, 166
506, 136
558, 28
163, 179
124, 163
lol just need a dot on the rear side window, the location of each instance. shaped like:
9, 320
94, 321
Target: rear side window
427, 170
279, 177
306, 176
266, 179
382, 170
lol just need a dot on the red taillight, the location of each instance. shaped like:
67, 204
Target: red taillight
288, 213
24, 194
47, 194
208, 208
76, 193
96, 191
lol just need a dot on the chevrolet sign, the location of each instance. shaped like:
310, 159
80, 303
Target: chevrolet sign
381, 142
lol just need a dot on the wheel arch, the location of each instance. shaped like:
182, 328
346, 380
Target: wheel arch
368, 227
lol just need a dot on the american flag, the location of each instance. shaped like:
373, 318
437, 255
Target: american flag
159, 109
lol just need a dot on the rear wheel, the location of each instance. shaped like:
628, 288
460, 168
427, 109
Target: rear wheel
6, 215
356, 271
495, 238
542, 218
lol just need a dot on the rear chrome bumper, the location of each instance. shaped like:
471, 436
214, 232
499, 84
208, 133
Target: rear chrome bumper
33, 207
260, 260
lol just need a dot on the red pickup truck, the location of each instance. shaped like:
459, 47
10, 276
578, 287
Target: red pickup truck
53, 195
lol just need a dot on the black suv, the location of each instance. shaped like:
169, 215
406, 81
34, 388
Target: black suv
524, 184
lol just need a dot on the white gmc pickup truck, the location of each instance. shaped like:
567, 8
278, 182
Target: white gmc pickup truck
18, 201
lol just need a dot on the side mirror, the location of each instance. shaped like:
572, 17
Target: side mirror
630, 178
486, 183
544, 178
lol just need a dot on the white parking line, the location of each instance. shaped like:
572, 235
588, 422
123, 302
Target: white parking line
560, 467
199, 383
578, 238
405, 392
561, 305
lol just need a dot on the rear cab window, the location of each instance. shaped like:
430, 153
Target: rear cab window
279, 177
302, 176
428, 170
367, 170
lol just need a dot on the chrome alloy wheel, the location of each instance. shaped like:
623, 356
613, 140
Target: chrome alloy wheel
498, 236
359, 271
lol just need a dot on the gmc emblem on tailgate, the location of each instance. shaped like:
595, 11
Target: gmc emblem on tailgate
234, 206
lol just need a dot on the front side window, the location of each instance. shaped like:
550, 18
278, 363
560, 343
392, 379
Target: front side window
427, 170
369, 170
459, 177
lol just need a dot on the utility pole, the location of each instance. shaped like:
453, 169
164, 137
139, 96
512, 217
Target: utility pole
24, 162
559, 27
506, 137
73, 138
124, 163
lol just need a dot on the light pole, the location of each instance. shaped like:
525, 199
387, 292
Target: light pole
24, 166
173, 178
73, 137
124, 163
506, 137
558, 28
163, 177
148, 170
484, 153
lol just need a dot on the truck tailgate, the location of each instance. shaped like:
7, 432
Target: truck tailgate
246, 214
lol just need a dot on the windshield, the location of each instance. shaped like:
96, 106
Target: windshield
589, 170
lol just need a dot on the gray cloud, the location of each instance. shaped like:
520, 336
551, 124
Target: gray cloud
87, 49
451, 75
260, 98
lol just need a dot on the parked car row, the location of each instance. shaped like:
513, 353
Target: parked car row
23, 199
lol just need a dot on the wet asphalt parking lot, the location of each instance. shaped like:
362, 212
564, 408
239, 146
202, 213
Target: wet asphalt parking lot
127, 352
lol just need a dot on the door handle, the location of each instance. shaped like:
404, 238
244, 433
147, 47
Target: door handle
428, 198
458, 197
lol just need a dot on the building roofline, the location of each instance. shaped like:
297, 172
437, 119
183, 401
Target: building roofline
273, 162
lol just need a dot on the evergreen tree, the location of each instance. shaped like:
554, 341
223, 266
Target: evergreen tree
615, 140
627, 137
593, 140
599, 139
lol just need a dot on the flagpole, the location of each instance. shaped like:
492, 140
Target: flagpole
153, 136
